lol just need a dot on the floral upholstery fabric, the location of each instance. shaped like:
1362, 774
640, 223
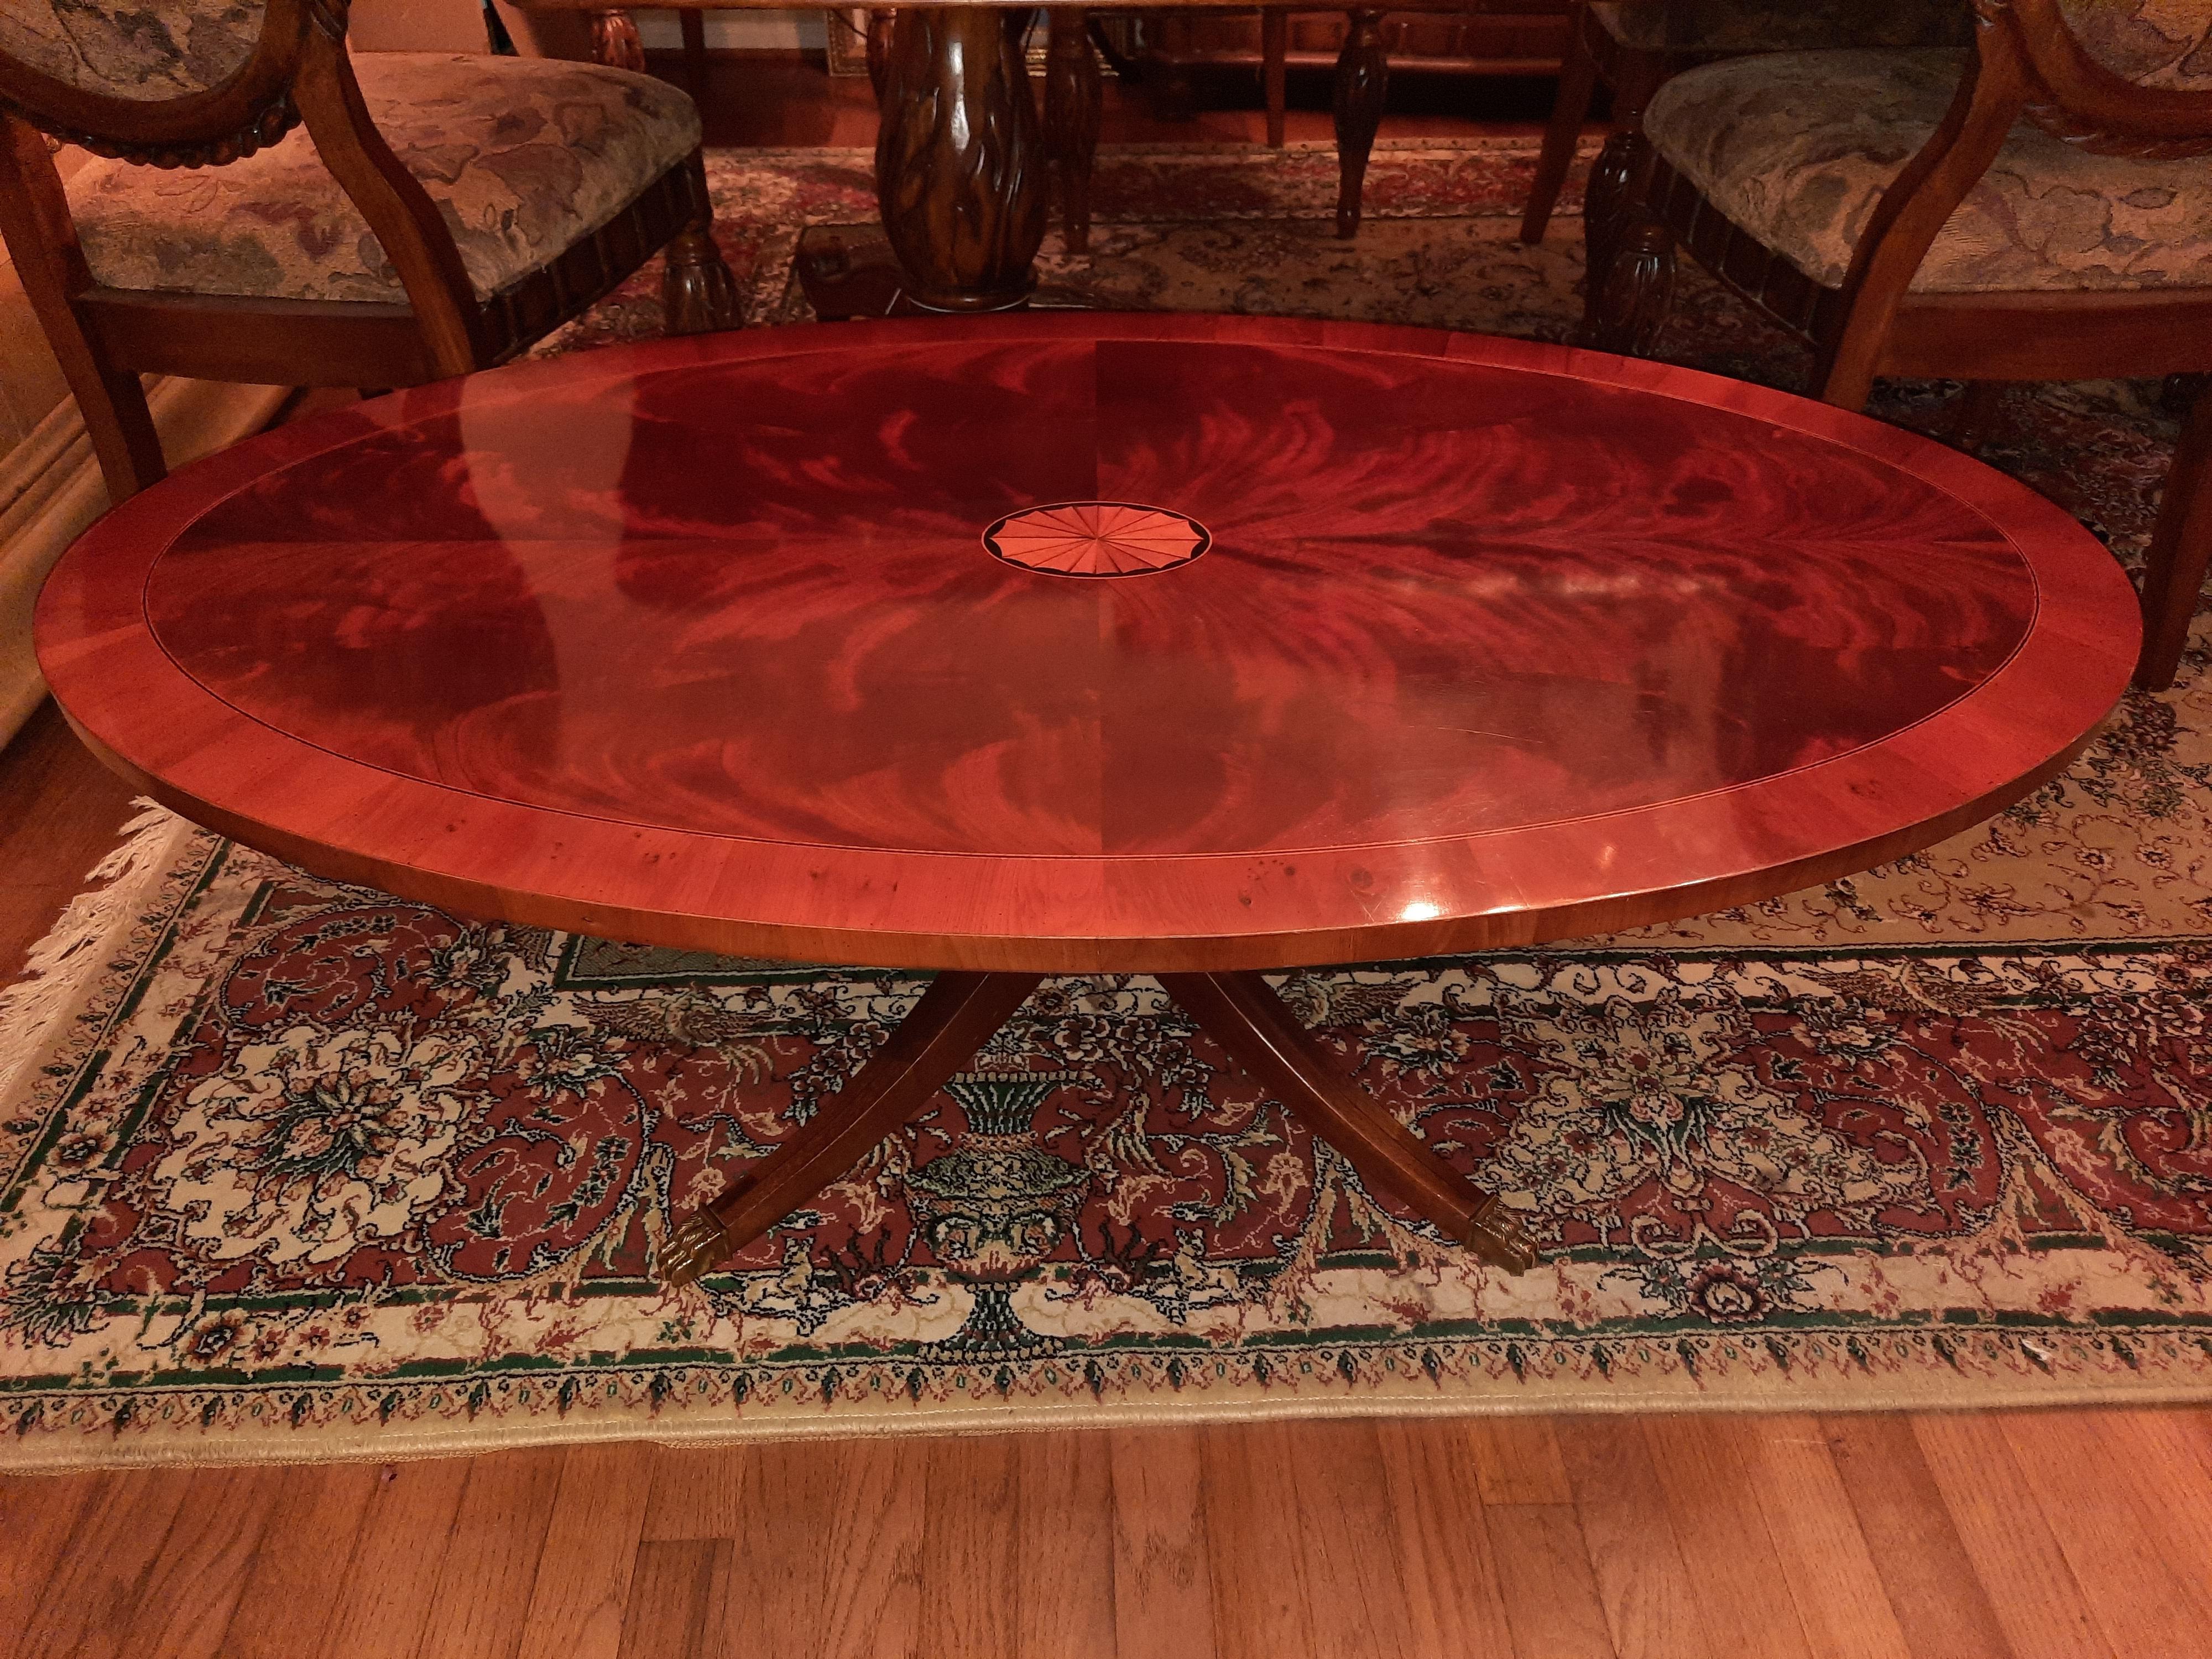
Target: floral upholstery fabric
524, 156
140, 51
1726, 26
2154, 43
1795, 148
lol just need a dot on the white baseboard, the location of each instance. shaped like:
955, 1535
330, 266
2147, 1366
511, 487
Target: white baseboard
51, 490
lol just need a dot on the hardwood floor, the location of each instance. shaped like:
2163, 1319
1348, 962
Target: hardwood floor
2055, 1533
2046, 1536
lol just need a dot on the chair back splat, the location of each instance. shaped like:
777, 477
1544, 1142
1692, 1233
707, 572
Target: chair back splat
2038, 207
585, 171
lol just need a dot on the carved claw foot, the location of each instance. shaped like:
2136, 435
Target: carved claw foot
1497, 1238
696, 1249
698, 295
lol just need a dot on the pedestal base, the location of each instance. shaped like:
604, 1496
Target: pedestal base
960, 1010
847, 275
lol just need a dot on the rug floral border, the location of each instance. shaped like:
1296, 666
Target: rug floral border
100, 957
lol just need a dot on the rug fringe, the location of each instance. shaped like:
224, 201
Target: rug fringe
56, 971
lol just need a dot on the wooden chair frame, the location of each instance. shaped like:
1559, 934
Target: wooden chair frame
299, 73
1633, 74
2026, 62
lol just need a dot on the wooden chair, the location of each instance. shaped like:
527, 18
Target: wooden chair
2037, 208
448, 212
1634, 46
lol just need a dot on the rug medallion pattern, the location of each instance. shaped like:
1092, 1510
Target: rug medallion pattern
289, 1169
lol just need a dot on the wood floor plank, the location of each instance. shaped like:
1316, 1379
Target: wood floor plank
1355, 1592
1544, 1572
1454, 1603
1517, 1460
384, 1595
870, 1605
1065, 1607
185, 1603
1163, 1586
698, 1491
1933, 1588
1825, 1563
2088, 1477
677, 1588
37, 1515
2015, 1554
971, 1553
1718, 1524
2157, 1460
62, 811
491, 1556
302, 1558
582, 1583
1260, 1609
93, 1587
828, 1549
1644, 1582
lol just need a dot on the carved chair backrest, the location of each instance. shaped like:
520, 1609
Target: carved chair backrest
2149, 43
2116, 76
2126, 76
204, 81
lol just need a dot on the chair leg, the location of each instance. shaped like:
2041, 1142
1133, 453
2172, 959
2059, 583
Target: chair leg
698, 295
38, 234
1977, 412
694, 25
1071, 120
2180, 548
1363, 82
1274, 56
880, 48
1577, 84
1638, 76
1627, 301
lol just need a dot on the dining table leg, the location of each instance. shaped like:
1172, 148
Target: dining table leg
960, 158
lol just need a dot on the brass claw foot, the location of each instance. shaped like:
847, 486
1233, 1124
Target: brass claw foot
1497, 1238
698, 1246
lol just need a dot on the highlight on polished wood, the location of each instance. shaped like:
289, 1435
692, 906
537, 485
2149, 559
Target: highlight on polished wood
693, 644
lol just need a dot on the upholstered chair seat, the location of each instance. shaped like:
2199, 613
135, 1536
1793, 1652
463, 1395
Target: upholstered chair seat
2036, 207
1795, 148
1744, 26
523, 158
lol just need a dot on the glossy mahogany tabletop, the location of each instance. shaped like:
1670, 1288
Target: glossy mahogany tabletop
1061, 642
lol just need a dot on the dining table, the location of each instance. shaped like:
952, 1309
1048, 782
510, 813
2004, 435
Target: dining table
1058, 643
966, 163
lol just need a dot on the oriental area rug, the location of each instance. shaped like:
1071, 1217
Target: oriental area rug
291, 1170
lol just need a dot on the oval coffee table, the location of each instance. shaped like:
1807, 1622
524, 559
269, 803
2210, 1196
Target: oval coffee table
1188, 645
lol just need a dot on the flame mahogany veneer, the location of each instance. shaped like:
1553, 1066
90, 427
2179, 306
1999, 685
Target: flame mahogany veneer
698, 643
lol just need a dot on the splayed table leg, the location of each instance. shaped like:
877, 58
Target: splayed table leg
1242, 1014
951, 1021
